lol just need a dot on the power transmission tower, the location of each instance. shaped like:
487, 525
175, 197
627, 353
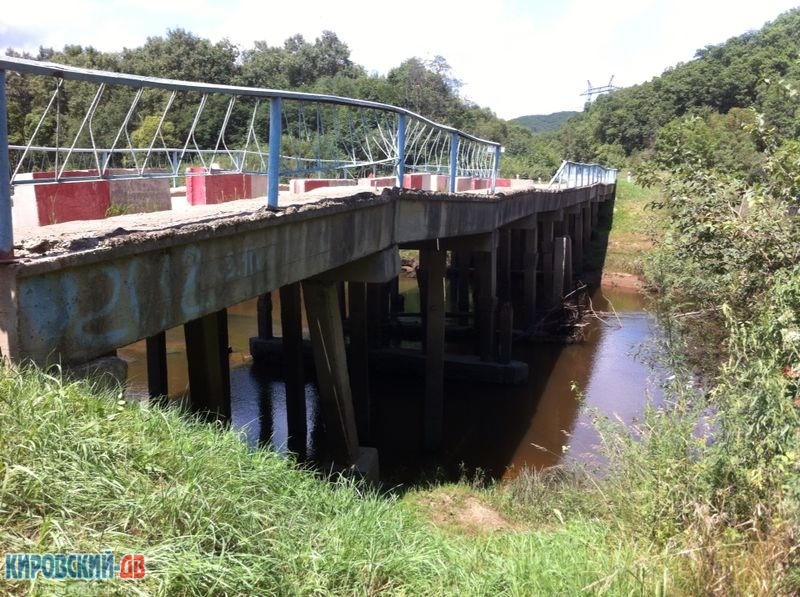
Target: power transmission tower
595, 91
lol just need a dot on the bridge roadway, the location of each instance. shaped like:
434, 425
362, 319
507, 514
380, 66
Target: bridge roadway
78, 291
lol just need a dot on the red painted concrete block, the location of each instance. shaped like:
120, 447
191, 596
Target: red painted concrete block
379, 182
417, 180
463, 183
56, 202
205, 187
304, 185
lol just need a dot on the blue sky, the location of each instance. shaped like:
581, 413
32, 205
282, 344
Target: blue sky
515, 57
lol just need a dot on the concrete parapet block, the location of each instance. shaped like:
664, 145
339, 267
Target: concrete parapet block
440, 183
377, 183
56, 202
138, 195
417, 180
207, 187
303, 185
463, 183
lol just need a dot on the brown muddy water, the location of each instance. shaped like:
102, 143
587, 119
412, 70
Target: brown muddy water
489, 430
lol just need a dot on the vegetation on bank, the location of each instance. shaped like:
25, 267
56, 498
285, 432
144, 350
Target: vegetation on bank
83, 471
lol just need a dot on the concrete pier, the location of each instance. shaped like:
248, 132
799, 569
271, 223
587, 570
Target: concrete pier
294, 367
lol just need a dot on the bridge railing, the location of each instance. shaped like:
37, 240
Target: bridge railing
82, 124
575, 174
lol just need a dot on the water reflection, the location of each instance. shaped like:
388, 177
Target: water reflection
496, 430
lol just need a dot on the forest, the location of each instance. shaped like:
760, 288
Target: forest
711, 102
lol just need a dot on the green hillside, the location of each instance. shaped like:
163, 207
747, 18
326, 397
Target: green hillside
543, 123
758, 71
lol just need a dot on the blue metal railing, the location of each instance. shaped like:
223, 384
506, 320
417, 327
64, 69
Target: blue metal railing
575, 174
330, 134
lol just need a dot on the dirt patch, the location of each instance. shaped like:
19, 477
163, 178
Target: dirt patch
620, 280
463, 513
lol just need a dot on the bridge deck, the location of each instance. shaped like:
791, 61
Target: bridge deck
81, 289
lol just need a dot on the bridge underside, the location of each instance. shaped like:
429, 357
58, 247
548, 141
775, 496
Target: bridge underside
79, 291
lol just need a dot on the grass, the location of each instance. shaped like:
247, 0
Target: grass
83, 471
630, 229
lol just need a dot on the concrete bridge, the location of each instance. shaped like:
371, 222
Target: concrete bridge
74, 292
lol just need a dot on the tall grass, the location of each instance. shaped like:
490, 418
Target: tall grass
83, 471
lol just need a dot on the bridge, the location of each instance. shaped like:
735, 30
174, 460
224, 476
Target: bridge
302, 194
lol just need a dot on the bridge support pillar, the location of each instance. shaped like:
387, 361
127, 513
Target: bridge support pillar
486, 300
504, 265
264, 315
547, 226
524, 258
461, 263
327, 341
587, 226
562, 268
433, 264
209, 366
575, 232
530, 258
157, 386
293, 368
359, 358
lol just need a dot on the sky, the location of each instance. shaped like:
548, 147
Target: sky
515, 57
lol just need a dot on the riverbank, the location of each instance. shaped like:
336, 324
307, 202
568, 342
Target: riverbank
84, 472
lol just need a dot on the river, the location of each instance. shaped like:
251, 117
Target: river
489, 430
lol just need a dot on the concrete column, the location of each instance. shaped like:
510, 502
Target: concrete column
486, 301
293, 367
207, 353
264, 315
157, 375
546, 248
504, 265
594, 217
505, 325
432, 266
576, 236
587, 226
530, 257
462, 264
562, 268
327, 340
340, 289
359, 358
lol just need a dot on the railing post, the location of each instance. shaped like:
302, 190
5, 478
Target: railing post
495, 167
174, 163
6, 225
274, 167
401, 150
453, 161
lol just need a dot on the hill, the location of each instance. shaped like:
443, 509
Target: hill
543, 123
757, 70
